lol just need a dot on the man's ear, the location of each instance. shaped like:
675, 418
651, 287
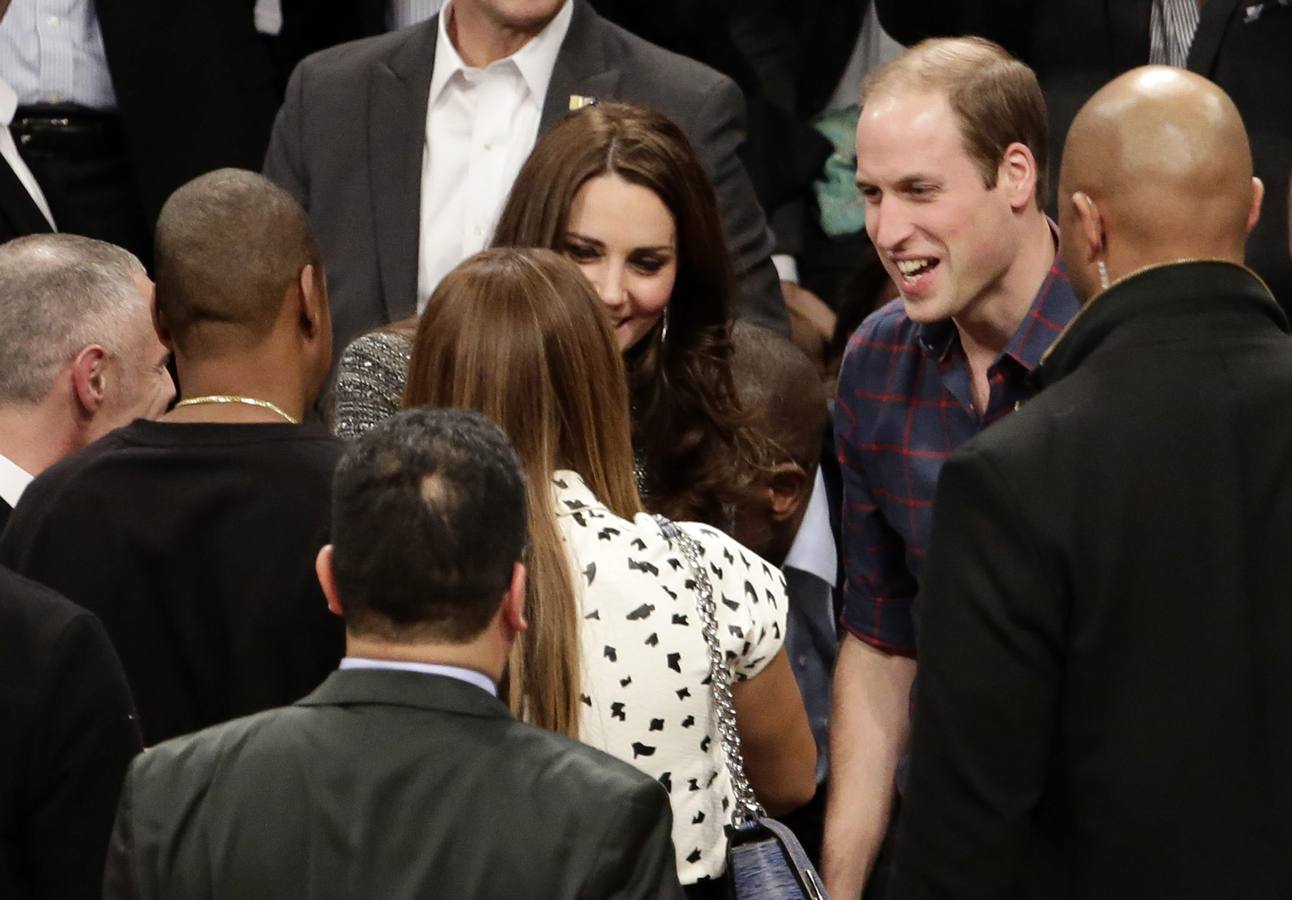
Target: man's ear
1017, 172
789, 487
513, 602
90, 378
1258, 195
327, 580
160, 326
313, 305
1090, 221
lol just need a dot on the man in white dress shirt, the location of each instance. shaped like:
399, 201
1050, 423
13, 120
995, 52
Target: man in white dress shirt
402, 147
78, 354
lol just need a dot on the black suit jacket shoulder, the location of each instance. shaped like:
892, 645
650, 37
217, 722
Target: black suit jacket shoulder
67, 733
389, 784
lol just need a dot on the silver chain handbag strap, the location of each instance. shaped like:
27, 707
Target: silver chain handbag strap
747, 806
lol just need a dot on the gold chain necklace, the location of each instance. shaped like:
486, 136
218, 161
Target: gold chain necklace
236, 398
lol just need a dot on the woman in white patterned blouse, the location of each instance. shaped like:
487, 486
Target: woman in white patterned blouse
614, 654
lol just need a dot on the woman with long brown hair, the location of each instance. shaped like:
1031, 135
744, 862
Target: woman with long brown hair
614, 655
618, 190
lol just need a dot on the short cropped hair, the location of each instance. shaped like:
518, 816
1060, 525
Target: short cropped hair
60, 293
996, 98
783, 393
229, 244
428, 521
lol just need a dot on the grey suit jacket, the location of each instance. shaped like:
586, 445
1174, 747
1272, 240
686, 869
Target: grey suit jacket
348, 144
393, 785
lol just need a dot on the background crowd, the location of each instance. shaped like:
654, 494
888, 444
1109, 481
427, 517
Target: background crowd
495, 448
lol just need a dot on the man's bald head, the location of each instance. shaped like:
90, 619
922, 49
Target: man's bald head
230, 245
1156, 168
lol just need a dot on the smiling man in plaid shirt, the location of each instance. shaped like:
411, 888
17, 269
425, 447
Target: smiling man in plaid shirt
951, 147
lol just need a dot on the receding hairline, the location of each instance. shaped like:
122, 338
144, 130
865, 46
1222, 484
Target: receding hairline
934, 65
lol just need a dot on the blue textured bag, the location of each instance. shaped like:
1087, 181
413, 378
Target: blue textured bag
765, 861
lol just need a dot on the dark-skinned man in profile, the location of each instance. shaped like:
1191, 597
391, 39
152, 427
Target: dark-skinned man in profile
1106, 664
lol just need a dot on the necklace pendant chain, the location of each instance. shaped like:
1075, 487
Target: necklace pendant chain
237, 398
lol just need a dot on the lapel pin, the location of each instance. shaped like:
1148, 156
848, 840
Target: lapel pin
578, 101
1254, 11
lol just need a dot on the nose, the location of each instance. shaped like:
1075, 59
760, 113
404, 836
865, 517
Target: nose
889, 224
610, 285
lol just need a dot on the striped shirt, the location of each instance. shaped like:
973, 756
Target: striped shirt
904, 403
1172, 25
51, 51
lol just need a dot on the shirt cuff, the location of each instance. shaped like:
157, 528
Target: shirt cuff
786, 267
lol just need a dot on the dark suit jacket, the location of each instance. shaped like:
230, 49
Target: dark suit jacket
392, 785
19, 214
195, 87
1106, 646
1077, 46
348, 144
67, 733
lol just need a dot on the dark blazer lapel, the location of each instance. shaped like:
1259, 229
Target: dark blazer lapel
399, 91
389, 687
19, 214
1128, 33
1218, 16
581, 66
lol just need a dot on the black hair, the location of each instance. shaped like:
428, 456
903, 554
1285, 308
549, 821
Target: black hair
428, 521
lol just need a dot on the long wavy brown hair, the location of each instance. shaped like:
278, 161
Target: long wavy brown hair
520, 336
691, 435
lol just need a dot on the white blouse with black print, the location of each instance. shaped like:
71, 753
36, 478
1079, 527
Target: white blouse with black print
645, 661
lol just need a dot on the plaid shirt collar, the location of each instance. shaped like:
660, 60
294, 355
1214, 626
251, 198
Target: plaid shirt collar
1028, 344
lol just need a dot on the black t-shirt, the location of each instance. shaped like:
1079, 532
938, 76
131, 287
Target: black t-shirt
195, 545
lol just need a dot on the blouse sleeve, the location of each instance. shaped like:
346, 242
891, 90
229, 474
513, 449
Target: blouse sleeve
369, 383
751, 601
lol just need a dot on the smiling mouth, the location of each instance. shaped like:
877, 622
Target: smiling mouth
912, 270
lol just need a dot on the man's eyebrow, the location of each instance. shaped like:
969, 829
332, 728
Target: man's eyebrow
906, 182
909, 181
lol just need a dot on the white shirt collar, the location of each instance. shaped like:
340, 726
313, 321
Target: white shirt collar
470, 676
13, 478
535, 60
813, 550
8, 104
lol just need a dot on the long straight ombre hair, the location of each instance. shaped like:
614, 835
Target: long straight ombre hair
519, 335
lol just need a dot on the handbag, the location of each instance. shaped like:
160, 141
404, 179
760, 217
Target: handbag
765, 861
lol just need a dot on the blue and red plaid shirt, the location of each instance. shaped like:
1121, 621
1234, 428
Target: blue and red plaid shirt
904, 403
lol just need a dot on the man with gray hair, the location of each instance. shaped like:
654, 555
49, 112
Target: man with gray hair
78, 354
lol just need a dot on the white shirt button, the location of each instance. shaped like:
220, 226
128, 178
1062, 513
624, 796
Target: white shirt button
53, 21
